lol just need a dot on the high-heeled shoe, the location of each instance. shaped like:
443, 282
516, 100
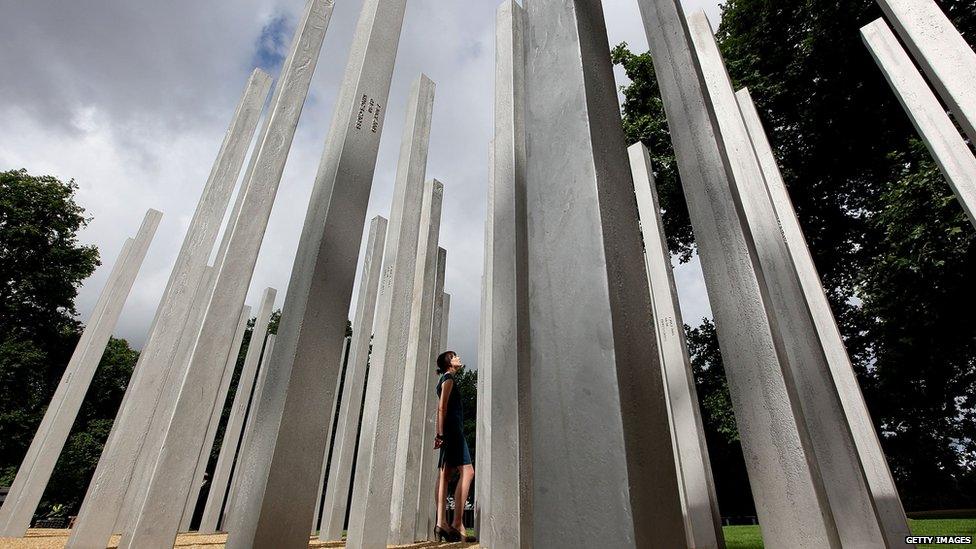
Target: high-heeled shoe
449, 534
462, 535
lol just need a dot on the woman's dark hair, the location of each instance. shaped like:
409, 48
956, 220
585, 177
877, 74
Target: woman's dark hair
444, 361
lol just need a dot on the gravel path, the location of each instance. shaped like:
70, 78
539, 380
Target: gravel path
55, 539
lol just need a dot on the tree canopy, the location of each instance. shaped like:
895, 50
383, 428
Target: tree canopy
42, 265
895, 252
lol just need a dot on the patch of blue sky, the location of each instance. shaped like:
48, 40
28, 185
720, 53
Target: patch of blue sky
272, 46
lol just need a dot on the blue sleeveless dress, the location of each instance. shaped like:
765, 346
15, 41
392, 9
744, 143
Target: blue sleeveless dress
454, 450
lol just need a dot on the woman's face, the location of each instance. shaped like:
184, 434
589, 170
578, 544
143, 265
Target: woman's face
456, 363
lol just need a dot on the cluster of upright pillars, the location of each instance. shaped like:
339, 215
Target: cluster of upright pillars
587, 405
560, 236
275, 448
35, 470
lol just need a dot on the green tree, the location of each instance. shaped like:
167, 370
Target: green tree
894, 251
42, 265
23, 368
467, 385
644, 121
920, 379
77, 462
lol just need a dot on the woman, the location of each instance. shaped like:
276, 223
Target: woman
454, 449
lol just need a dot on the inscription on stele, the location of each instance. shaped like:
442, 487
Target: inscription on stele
369, 106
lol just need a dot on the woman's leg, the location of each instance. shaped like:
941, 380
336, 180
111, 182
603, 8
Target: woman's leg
461, 497
443, 479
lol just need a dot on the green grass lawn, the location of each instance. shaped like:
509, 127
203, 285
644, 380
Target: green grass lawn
748, 537
742, 537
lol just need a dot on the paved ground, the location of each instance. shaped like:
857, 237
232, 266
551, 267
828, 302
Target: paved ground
55, 539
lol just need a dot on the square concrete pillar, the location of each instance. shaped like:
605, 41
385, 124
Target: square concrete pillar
181, 359
430, 484
426, 504
787, 492
281, 468
327, 456
248, 433
509, 303
894, 524
193, 496
188, 340
372, 489
597, 391
104, 500
184, 353
445, 323
413, 406
340, 472
413, 453
941, 51
805, 365
203, 459
235, 422
482, 477
35, 470
158, 520
703, 522
950, 151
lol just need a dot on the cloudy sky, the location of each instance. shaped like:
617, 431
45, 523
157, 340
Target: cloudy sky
131, 99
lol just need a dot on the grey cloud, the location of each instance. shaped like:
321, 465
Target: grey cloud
171, 62
132, 98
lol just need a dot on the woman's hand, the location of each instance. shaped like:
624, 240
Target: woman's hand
438, 442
